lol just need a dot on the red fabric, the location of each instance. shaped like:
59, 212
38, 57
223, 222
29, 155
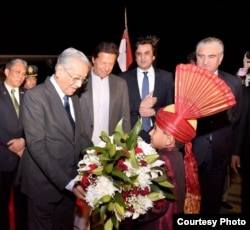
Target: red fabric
11, 211
198, 93
125, 57
182, 131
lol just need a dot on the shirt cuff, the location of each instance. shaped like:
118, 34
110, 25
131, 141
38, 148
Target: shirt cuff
70, 185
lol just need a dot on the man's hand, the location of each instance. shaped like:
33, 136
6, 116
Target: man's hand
149, 101
79, 191
17, 146
235, 162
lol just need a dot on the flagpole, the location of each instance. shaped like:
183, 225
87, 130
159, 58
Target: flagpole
125, 18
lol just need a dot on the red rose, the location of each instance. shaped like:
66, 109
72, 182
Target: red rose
92, 167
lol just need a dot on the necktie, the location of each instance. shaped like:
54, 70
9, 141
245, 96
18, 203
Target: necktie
145, 91
67, 108
14, 100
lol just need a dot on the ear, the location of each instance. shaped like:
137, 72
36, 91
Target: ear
59, 70
169, 140
221, 57
6, 71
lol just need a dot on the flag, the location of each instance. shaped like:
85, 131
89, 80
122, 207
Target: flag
125, 57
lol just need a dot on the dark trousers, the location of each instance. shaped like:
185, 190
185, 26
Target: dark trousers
19, 200
52, 216
212, 174
245, 184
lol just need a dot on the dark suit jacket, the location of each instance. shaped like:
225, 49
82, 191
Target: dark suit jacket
243, 137
118, 105
10, 127
163, 90
223, 126
50, 160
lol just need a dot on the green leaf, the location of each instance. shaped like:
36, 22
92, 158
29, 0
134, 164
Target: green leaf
119, 128
120, 139
121, 153
120, 210
166, 184
106, 198
103, 210
154, 196
115, 221
111, 207
108, 225
105, 137
109, 168
98, 171
133, 160
118, 198
151, 158
132, 139
111, 149
120, 175
98, 149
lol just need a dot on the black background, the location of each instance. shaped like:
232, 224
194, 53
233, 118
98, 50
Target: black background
50, 27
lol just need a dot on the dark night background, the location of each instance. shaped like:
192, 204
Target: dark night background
50, 27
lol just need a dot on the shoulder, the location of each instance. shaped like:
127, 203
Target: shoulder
163, 73
128, 73
230, 79
117, 79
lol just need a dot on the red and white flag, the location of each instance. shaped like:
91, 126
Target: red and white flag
125, 57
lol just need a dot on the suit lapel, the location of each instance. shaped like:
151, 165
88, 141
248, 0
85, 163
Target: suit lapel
57, 105
89, 98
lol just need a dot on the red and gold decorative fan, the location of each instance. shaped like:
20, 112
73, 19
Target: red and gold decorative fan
200, 93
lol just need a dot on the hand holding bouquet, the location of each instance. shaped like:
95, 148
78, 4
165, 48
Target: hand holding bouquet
123, 177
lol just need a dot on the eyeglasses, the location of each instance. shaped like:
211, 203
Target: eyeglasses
76, 79
19, 72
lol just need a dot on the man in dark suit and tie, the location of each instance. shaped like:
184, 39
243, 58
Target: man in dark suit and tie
160, 83
215, 140
12, 143
54, 144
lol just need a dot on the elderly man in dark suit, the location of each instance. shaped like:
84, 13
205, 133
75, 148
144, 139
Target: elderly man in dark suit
215, 140
55, 138
12, 142
160, 85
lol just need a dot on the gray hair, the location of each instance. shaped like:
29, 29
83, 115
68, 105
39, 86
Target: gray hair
211, 40
13, 61
65, 57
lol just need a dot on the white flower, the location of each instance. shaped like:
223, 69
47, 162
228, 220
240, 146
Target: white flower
102, 187
141, 205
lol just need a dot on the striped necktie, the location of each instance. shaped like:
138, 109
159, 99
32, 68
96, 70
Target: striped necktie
14, 100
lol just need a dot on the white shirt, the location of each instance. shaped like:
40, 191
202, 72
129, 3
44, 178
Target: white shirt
16, 92
101, 95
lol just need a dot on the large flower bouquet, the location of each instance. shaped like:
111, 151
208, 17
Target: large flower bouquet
123, 177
